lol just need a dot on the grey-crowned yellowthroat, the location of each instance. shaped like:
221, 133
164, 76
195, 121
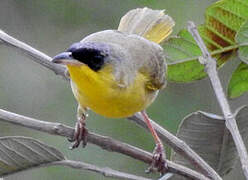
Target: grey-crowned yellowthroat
117, 73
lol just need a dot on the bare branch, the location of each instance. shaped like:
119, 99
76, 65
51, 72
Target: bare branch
178, 145
166, 176
113, 173
179, 169
104, 142
210, 68
107, 172
36, 55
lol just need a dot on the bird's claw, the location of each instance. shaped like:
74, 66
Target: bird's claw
80, 134
158, 160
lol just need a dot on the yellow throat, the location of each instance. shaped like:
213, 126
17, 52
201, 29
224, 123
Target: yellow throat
100, 92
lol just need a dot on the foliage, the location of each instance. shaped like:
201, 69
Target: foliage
21, 153
207, 134
222, 22
239, 81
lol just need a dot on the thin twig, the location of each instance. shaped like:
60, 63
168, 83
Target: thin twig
178, 145
210, 68
166, 176
36, 55
107, 172
104, 142
113, 173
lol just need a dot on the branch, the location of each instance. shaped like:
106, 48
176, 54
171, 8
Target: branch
104, 142
210, 68
36, 55
107, 172
178, 145
113, 173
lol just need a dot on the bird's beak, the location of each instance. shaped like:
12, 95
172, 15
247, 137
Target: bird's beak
66, 58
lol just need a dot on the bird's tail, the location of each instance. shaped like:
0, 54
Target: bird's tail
153, 25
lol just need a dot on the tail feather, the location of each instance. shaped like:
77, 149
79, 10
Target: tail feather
153, 25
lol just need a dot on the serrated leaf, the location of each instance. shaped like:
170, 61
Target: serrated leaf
238, 83
242, 38
208, 136
222, 21
21, 153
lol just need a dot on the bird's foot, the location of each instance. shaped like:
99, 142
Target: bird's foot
158, 160
80, 133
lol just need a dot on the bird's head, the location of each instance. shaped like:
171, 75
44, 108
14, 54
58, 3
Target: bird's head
98, 58
94, 55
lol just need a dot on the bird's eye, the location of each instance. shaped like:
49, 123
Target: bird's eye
92, 57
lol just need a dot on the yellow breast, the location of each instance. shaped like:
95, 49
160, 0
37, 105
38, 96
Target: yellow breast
100, 92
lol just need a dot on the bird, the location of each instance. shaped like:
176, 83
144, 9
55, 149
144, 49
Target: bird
119, 72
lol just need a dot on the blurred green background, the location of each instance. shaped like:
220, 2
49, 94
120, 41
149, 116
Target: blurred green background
29, 89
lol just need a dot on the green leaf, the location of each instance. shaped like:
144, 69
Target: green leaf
222, 21
208, 136
242, 39
182, 55
21, 153
225, 17
238, 84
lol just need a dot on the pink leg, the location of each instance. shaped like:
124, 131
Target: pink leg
159, 157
